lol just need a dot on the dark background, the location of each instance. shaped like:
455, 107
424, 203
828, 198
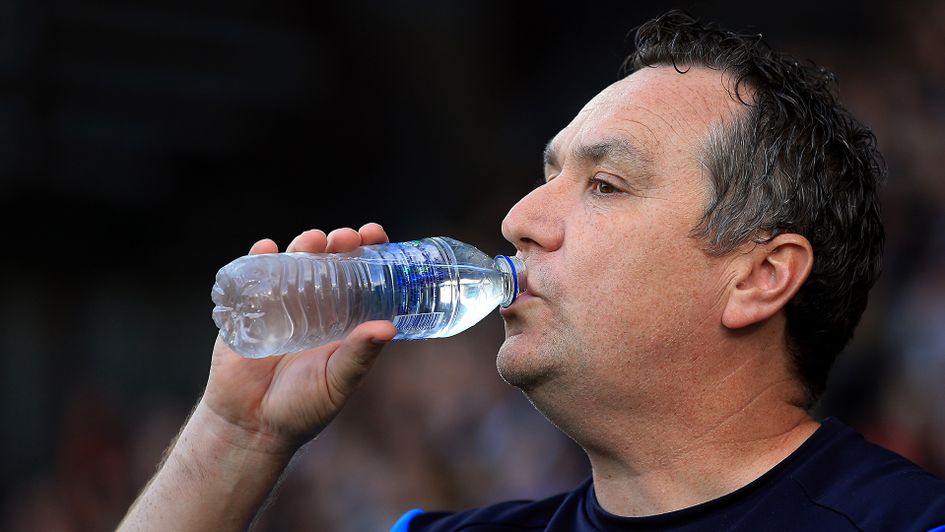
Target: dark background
147, 143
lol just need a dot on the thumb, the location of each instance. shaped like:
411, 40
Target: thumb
348, 364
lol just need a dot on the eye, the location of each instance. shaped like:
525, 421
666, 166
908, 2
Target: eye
602, 187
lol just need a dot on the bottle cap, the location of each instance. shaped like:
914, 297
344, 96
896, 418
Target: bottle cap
514, 268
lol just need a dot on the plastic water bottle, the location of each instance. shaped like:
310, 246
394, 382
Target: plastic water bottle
278, 303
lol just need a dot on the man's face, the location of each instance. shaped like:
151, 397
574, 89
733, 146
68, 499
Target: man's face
622, 294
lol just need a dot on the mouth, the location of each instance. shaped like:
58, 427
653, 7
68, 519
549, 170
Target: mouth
522, 299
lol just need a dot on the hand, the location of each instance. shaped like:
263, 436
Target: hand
278, 403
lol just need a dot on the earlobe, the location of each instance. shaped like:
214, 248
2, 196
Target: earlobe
767, 277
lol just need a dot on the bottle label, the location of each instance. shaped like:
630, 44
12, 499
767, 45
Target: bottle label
419, 273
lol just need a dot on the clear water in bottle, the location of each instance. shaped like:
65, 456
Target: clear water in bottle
284, 302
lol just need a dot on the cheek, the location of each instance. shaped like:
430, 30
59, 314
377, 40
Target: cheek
631, 281
605, 285
643, 240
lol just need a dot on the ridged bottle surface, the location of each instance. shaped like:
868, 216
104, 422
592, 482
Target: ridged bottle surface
285, 302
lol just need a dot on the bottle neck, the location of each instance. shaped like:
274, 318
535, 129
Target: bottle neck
513, 270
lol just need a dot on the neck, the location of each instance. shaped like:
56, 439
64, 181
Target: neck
700, 430
682, 465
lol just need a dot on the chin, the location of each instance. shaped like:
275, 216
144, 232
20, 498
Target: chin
524, 366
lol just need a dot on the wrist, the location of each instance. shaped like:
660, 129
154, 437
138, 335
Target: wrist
216, 477
229, 437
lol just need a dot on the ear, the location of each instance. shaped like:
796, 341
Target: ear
767, 277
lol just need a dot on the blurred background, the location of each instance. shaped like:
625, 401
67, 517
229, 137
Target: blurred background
145, 143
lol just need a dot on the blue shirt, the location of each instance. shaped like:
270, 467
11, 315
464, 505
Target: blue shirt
835, 481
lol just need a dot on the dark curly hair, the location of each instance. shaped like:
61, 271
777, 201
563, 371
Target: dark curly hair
795, 161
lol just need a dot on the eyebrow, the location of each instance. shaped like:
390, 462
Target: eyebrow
617, 150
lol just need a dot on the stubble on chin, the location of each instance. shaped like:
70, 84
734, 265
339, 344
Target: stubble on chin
525, 366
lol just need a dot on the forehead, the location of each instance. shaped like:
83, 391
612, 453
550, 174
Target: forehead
656, 109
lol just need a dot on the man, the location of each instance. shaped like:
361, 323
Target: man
701, 250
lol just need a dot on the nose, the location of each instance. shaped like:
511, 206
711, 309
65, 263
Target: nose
536, 223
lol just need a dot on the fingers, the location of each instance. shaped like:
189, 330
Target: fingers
312, 241
344, 239
264, 246
372, 233
355, 356
338, 241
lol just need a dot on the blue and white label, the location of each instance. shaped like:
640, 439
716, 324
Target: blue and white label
419, 271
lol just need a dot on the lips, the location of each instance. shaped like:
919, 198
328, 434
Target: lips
522, 298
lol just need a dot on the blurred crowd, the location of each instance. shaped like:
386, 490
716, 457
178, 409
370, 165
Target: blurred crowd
435, 427
890, 382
